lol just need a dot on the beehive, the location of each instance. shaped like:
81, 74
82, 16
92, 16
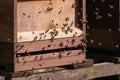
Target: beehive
41, 33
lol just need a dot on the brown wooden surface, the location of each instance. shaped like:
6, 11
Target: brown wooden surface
58, 61
35, 15
96, 71
49, 56
9, 15
48, 45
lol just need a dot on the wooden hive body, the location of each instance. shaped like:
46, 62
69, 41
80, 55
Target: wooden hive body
41, 33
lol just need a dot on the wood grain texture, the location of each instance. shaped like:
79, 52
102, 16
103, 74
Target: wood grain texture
50, 62
48, 34
96, 71
49, 56
43, 45
43, 15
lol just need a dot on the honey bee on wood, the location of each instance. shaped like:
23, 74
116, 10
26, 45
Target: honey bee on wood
60, 55
52, 39
60, 11
47, 31
20, 47
73, 41
66, 32
35, 57
35, 38
66, 46
79, 53
40, 38
73, 5
71, 24
68, 53
24, 14
23, 58
61, 44
43, 48
63, 0
40, 65
41, 57
49, 45
71, 30
63, 29
67, 41
24, 62
20, 37
44, 36
49, 9
67, 19
65, 24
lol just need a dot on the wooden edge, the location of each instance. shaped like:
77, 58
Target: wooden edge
49, 63
48, 44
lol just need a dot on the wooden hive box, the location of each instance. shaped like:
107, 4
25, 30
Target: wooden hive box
37, 34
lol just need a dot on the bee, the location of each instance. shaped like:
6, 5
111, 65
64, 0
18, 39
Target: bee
44, 36
60, 55
109, 15
65, 24
40, 65
20, 47
43, 48
41, 57
49, 45
35, 57
20, 37
73, 41
71, 24
111, 6
24, 62
67, 19
68, 53
73, 5
79, 53
66, 32
60, 11
67, 41
49, 9
24, 14
47, 31
35, 38
61, 44
103, 0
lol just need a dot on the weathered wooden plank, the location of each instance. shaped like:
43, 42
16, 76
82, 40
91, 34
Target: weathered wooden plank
50, 62
96, 71
42, 45
48, 34
43, 15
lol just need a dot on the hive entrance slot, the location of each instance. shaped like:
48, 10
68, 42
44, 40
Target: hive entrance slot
49, 51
